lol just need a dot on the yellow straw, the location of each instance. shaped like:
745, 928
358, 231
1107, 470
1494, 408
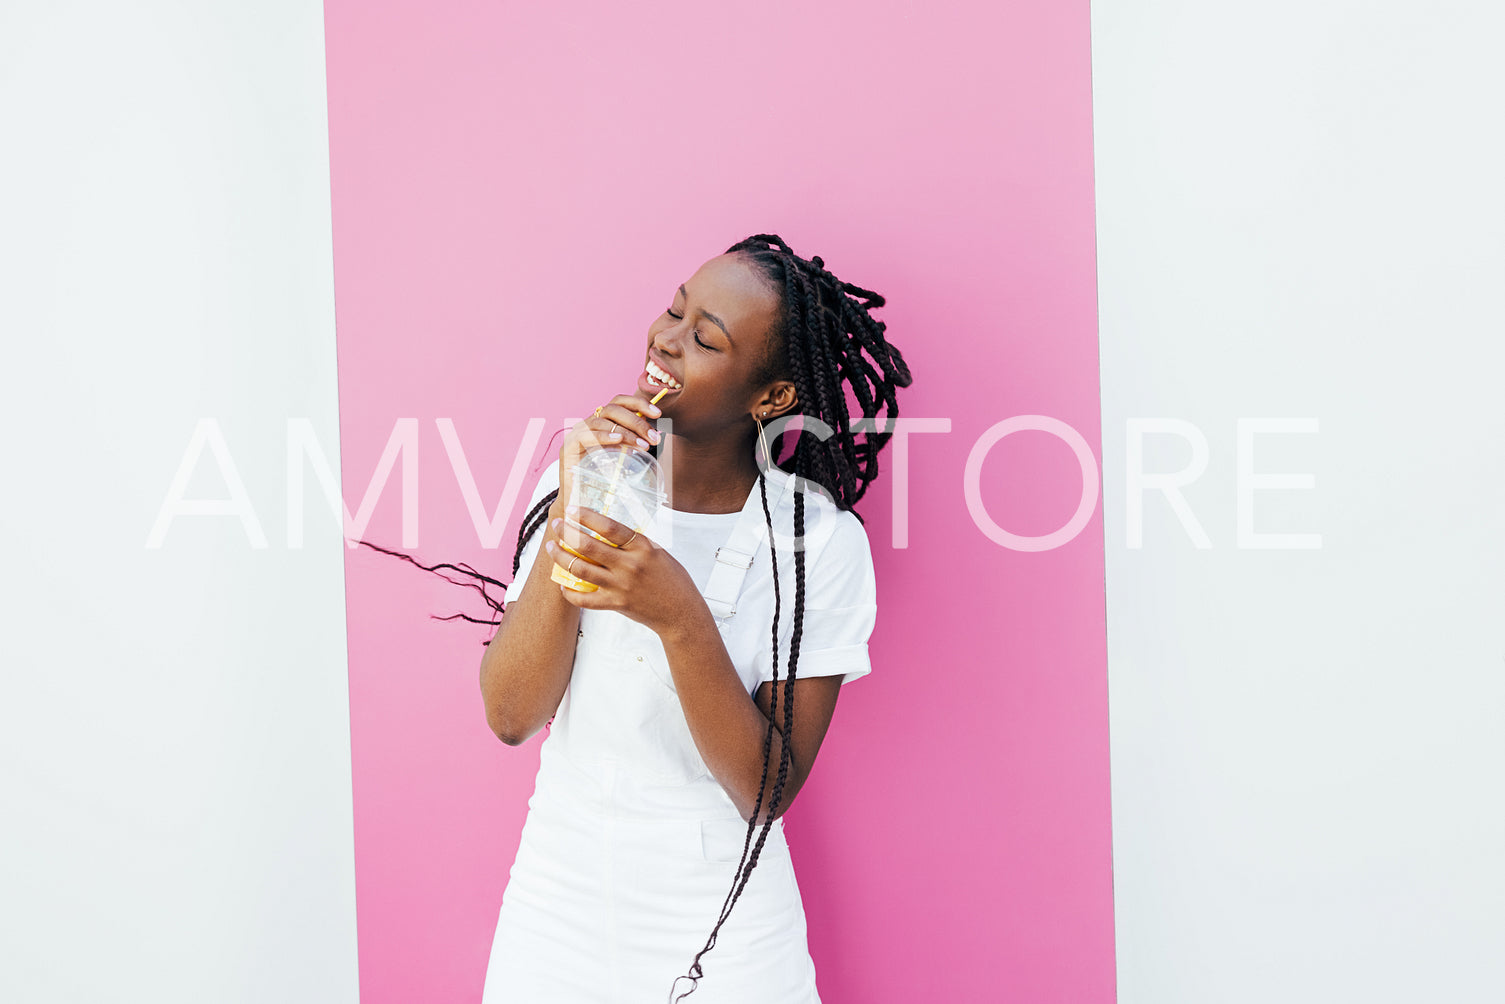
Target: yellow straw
622, 457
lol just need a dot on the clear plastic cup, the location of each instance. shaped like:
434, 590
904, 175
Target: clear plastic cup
619, 482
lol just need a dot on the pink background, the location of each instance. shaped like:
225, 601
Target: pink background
517, 191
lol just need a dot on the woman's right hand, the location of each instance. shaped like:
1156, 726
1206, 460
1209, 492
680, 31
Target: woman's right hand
619, 421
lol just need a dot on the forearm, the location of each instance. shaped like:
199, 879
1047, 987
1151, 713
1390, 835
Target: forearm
527, 666
726, 724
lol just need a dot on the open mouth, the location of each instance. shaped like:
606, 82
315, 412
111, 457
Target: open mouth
659, 378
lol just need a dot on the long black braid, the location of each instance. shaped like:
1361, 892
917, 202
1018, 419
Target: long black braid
826, 343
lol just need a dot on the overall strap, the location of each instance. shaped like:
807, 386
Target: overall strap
736, 556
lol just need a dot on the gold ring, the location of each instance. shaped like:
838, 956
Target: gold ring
629, 539
598, 411
571, 567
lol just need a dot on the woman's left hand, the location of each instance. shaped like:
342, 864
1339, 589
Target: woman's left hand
637, 578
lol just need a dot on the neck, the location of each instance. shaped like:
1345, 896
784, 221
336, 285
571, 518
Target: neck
712, 476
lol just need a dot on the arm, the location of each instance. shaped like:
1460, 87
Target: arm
527, 666
643, 581
528, 663
728, 725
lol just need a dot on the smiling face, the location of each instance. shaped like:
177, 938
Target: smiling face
710, 346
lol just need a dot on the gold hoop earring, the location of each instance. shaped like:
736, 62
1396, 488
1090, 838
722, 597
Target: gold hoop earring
767, 461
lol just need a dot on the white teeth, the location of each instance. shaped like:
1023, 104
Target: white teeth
660, 376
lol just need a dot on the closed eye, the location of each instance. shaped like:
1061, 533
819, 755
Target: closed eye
698, 341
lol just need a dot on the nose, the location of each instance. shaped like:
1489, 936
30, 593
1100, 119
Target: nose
666, 342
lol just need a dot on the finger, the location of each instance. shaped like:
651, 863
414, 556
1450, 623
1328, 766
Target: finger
640, 430
567, 549
605, 428
615, 532
583, 545
638, 404
578, 567
599, 432
595, 599
637, 431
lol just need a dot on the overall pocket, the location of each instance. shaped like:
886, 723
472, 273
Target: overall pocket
670, 756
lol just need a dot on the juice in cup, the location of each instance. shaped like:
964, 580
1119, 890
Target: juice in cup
627, 491
619, 482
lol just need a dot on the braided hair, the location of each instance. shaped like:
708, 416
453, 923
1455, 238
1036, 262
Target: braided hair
826, 342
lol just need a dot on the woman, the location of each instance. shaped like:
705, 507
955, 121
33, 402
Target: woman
666, 769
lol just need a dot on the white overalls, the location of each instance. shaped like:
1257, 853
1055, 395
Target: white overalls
630, 845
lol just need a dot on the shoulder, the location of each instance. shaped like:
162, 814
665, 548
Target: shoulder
840, 557
548, 481
548, 478
831, 534
848, 542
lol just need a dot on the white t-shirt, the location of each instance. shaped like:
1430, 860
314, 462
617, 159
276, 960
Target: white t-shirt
840, 585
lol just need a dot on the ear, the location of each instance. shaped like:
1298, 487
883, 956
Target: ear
778, 399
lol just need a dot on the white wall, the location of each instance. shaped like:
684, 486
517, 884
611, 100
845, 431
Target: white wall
1300, 215
174, 730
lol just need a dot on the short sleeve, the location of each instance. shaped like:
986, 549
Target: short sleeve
841, 607
548, 481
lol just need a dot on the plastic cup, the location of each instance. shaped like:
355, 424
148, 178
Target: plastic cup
618, 482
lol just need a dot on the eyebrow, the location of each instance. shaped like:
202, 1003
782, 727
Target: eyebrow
709, 316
